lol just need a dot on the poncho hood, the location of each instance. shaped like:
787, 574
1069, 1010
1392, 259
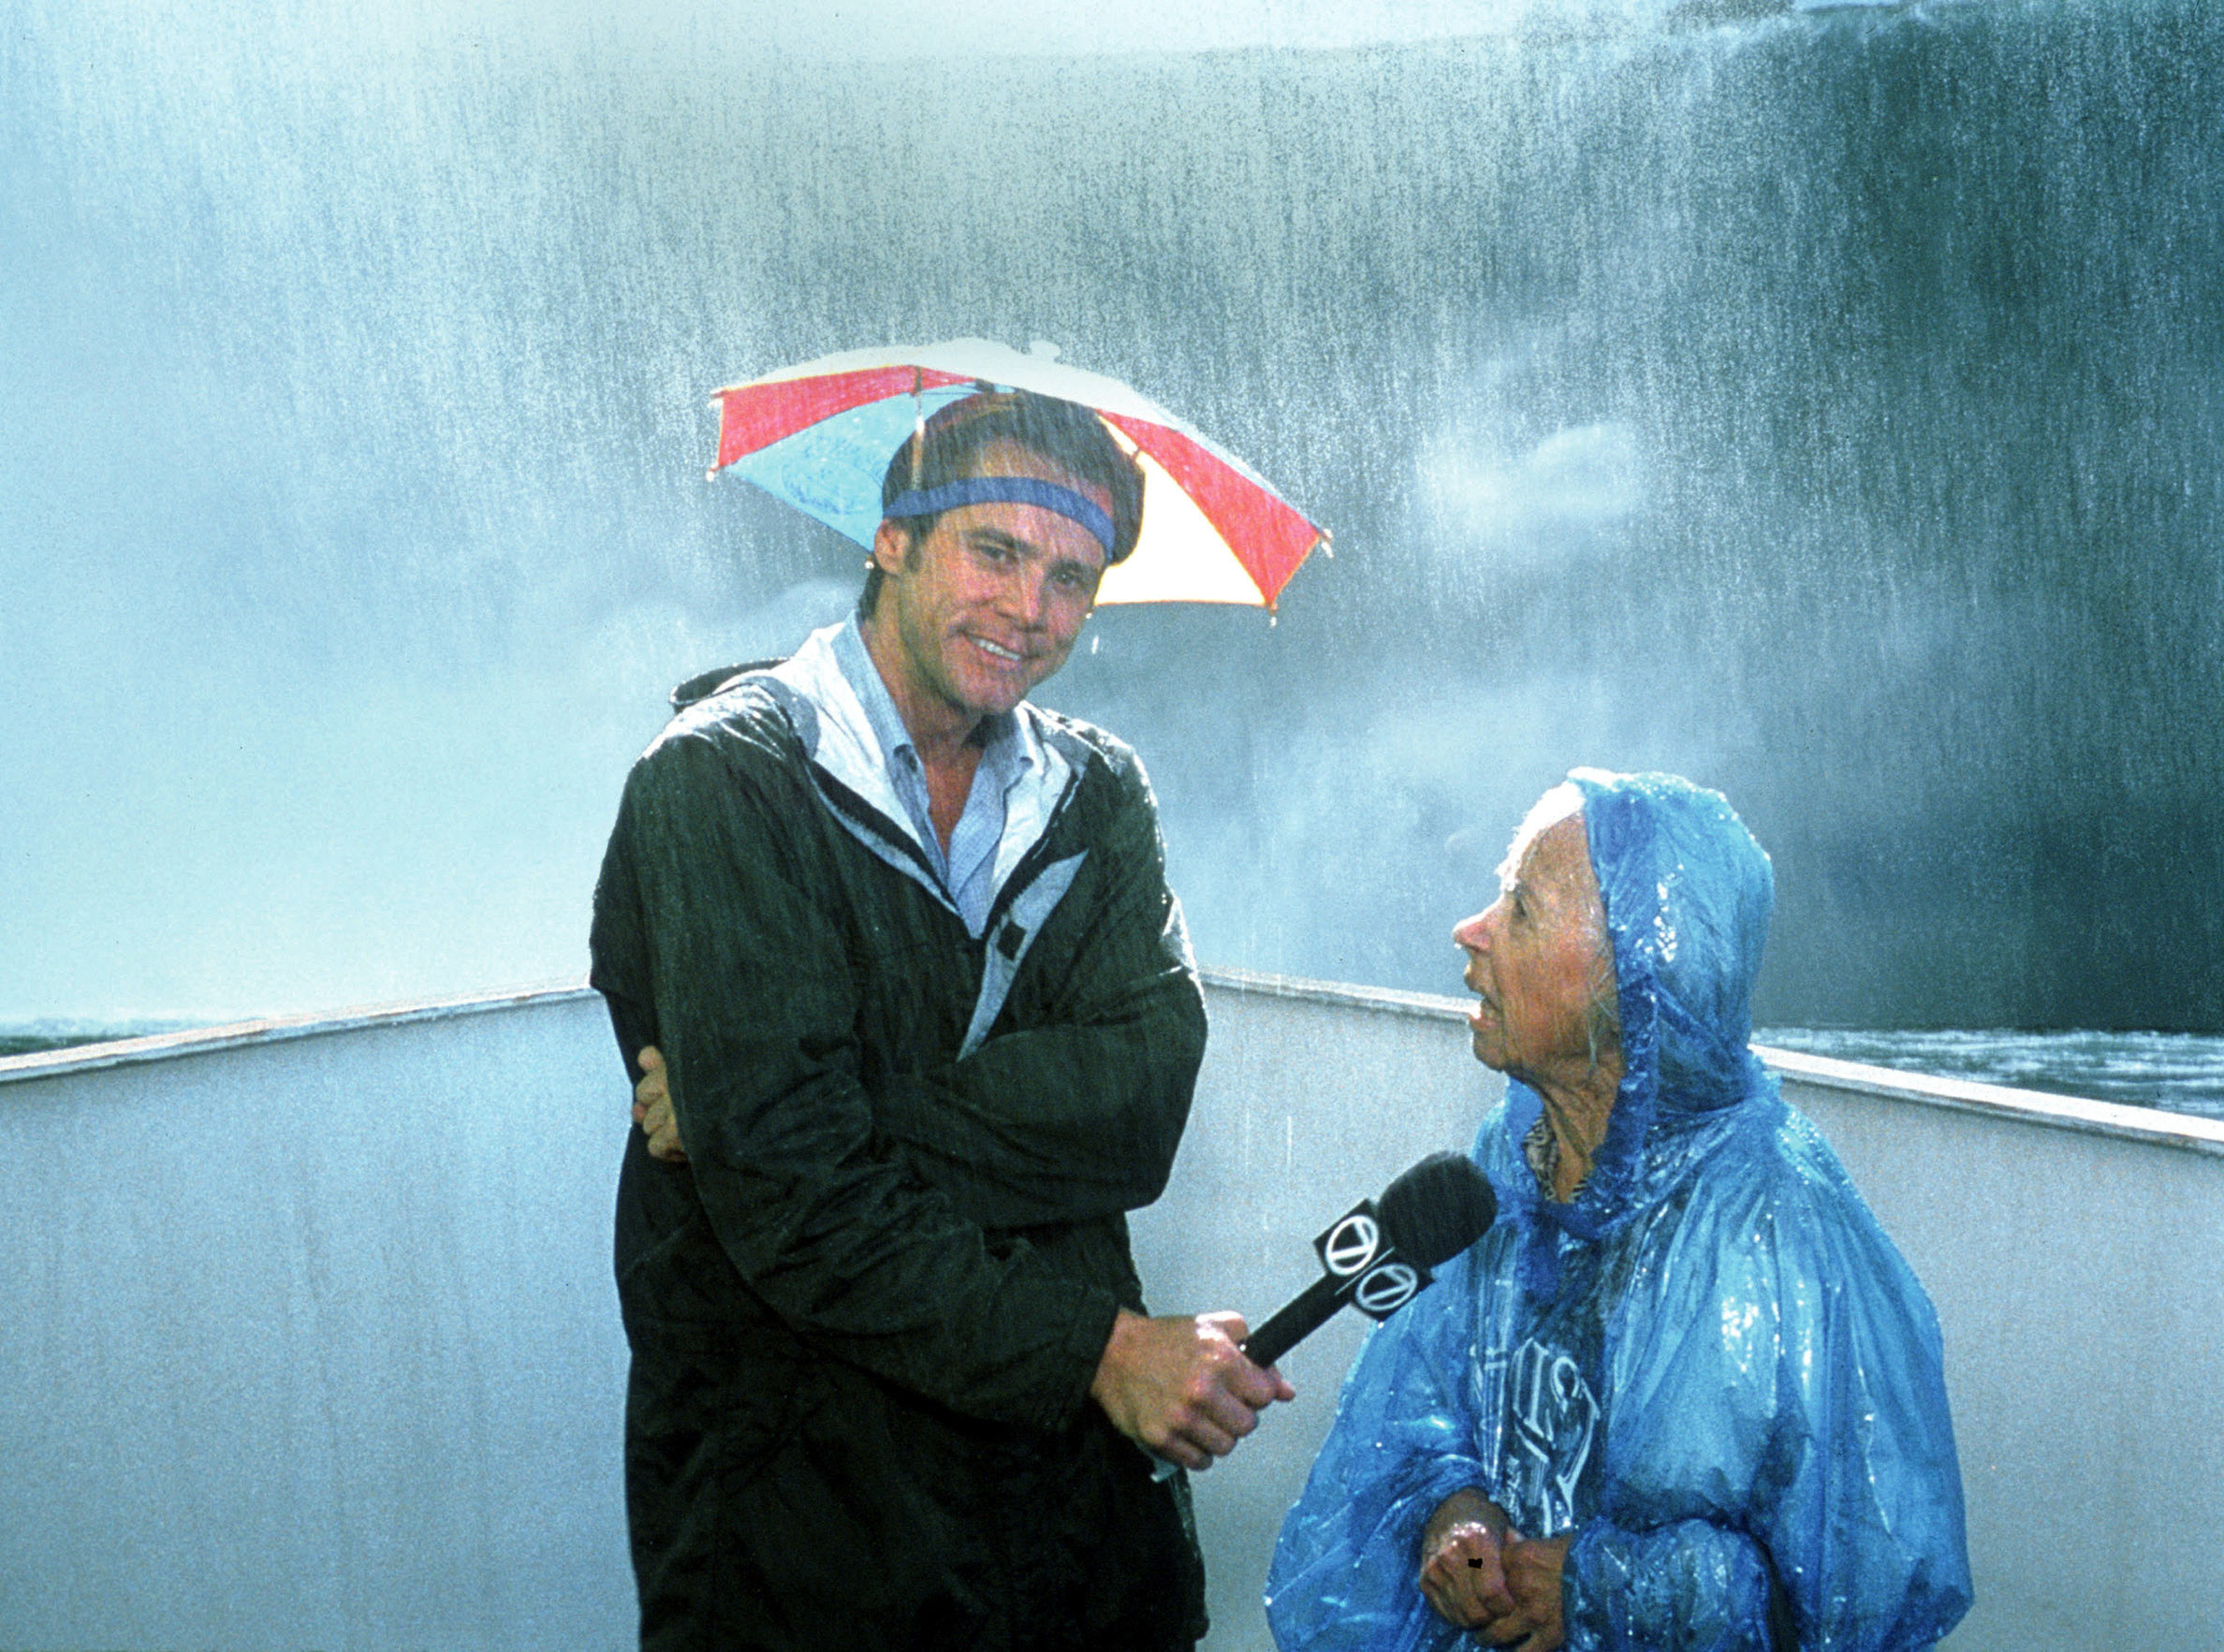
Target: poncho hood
1688, 894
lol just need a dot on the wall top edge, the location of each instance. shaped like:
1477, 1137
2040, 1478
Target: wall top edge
2145, 1124
2153, 1125
198, 1041
1383, 1000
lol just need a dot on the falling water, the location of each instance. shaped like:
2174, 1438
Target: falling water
1822, 403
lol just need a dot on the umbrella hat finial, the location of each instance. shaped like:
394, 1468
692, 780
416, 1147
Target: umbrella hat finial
918, 427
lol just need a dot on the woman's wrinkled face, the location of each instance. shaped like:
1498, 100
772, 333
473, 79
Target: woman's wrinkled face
1534, 956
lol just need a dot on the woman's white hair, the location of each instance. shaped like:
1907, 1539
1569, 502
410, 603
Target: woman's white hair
1604, 1011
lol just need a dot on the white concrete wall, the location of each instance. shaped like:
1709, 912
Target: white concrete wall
309, 1338
311, 1342
2075, 1254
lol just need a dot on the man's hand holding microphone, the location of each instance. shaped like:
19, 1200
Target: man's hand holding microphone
1188, 1390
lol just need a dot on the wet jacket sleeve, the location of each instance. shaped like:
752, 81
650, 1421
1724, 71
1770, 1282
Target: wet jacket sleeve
753, 998
1073, 1111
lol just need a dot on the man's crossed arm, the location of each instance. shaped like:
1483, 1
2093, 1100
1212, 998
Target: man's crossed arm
1178, 1386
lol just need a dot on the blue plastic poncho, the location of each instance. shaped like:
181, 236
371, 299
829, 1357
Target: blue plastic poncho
1710, 1364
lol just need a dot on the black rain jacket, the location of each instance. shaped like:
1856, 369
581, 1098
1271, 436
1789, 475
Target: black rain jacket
866, 1313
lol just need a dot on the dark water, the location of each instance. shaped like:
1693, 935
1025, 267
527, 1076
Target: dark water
2180, 1072
30, 1038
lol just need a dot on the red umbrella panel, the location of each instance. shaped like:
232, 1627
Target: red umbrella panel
819, 436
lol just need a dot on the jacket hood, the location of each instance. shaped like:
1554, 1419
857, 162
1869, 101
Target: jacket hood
1688, 894
703, 685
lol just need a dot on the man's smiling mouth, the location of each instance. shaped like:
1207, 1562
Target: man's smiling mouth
995, 651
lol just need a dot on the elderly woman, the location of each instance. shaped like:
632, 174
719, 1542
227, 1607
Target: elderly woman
1686, 1393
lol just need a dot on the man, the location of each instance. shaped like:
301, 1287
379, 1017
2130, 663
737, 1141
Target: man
1685, 1394
896, 948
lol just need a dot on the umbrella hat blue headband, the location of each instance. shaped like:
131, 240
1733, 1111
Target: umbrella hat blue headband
928, 502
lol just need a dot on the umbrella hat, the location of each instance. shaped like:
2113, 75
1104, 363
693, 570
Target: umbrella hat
819, 436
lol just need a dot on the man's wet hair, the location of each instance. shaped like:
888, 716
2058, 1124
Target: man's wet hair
1069, 436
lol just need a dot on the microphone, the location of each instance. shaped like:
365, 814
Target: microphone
1378, 1256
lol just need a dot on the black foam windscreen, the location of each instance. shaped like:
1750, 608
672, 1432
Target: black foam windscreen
1437, 1208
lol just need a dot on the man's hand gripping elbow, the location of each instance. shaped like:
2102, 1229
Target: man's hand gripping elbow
653, 1109
1182, 1387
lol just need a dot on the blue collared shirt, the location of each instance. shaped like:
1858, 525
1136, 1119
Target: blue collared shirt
968, 869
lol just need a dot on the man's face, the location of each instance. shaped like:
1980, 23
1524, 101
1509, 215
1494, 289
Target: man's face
1532, 955
988, 605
